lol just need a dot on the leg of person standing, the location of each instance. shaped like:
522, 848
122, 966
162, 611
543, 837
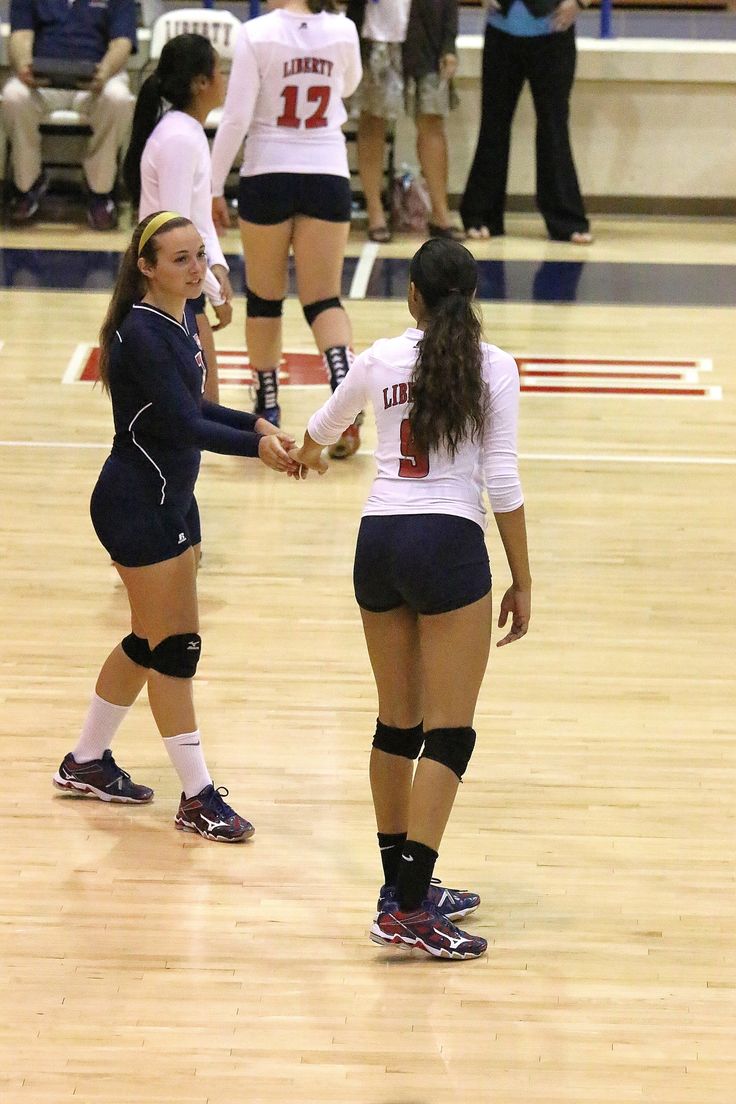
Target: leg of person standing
319, 253
266, 251
484, 201
551, 72
371, 153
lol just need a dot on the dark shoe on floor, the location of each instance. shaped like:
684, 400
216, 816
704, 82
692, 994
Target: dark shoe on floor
428, 930
101, 778
453, 233
102, 214
25, 205
380, 234
208, 814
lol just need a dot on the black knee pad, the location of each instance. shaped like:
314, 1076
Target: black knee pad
406, 742
450, 746
313, 310
177, 656
136, 648
262, 308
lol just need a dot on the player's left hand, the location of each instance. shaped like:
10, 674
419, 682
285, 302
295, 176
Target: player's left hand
224, 312
220, 214
222, 276
518, 603
309, 460
564, 15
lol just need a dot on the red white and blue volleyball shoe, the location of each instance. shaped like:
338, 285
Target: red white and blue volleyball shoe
209, 815
426, 929
451, 903
100, 778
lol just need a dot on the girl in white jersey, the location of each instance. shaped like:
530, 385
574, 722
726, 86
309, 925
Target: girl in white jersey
167, 166
291, 70
446, 410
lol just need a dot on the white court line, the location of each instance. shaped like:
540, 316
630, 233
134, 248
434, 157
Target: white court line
363, 269
543, 457
75, 367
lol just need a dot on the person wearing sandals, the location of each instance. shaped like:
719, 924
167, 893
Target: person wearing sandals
527, 40
446, 406
409, 60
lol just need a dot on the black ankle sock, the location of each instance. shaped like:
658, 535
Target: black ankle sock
415, 874
390, 846
338, 359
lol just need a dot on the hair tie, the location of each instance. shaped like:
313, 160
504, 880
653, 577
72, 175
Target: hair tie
155, 224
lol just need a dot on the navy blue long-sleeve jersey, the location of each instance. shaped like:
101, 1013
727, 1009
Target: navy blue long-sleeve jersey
162, 422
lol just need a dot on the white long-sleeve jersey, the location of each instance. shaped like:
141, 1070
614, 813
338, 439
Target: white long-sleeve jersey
409, 482
175, 176
289, 76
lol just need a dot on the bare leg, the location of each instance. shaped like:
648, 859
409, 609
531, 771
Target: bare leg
393, 647
454, 656
164, 596
432, 153
120, 680
319, 253
211, 386
266, 250
371, 142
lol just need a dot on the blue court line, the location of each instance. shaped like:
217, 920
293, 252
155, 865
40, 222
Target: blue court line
582, 281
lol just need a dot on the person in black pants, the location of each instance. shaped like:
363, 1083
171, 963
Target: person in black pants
530, 40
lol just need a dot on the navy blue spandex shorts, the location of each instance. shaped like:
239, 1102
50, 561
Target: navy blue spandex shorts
432, 563
275, 197
137, 534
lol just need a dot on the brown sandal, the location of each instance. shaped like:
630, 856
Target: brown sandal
380, 234
452, 233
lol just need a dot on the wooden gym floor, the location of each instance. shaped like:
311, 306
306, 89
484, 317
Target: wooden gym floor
597, 818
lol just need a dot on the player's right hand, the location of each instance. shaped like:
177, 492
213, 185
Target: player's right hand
220, 214
273, 454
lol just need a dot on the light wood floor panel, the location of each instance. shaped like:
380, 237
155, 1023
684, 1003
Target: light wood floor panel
596, 820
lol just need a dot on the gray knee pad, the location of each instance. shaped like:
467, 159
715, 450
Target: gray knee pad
406, 742
256, 307
313, 310
136, 648
450, 746
177, 656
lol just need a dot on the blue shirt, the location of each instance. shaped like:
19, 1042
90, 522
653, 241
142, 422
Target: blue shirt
520, 22
162, 422
82, 29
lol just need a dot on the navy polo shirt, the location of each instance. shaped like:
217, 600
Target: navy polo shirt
74, 28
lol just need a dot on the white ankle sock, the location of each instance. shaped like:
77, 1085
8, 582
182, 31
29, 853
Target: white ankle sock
100, 725
185, 752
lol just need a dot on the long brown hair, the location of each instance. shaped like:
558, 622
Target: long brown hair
450, 398
130, 286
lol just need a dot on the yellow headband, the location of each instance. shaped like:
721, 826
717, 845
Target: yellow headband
155, 224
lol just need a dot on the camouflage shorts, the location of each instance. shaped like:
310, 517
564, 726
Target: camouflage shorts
430, 95
381, 91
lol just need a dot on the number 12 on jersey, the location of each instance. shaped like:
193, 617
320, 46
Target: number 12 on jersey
414, 464
318, 94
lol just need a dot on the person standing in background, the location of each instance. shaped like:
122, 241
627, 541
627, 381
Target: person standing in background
527, 40
167, 166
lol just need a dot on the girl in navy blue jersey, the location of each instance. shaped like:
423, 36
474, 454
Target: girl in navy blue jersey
144, 512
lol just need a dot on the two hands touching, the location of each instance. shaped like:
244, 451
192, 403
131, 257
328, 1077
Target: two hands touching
278, 451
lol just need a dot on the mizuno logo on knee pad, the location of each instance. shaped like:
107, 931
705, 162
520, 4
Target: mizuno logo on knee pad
177, 656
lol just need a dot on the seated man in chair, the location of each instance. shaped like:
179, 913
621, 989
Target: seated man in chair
82, 33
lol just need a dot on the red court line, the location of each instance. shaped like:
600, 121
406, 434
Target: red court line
639, 363
692, 392
549, 373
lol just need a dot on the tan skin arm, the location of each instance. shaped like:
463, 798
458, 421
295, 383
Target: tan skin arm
517, 600
20, 54
309, 456
114, 61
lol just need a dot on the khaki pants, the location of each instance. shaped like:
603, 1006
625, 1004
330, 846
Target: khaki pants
109, 114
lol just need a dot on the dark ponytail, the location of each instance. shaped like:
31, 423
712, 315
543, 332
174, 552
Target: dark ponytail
182, 59
130, 287
449, 395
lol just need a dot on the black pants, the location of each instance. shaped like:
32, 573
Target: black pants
548, 63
